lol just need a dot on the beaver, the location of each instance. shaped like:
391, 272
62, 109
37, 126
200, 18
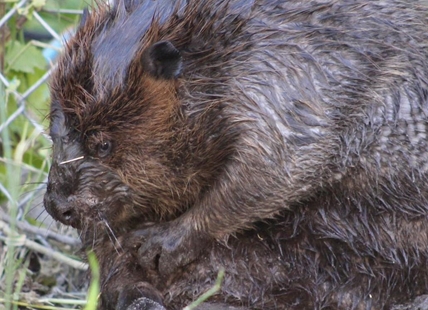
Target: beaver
284, 141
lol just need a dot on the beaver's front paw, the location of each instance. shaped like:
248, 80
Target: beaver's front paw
166, 247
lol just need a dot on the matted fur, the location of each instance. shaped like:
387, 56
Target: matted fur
291, 150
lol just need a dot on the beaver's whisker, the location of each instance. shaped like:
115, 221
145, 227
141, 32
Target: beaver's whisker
71, 160
40, 214
112, 236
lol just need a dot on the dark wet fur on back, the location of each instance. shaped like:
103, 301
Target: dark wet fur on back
294, 132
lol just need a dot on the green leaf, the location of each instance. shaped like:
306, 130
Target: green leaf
38, 4
27, 11
24, 58
13, 85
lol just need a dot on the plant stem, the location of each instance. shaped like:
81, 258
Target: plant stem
212, 291
12, 186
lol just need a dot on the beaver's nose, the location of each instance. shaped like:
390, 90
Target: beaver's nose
60, 209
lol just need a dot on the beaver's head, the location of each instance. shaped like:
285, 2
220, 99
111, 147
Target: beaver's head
115, 125
138, 132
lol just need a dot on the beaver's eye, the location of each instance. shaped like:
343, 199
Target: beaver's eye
104, 148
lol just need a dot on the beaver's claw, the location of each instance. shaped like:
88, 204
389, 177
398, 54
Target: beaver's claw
169, 246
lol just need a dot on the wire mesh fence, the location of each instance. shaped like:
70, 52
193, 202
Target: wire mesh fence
31, 35
19, 98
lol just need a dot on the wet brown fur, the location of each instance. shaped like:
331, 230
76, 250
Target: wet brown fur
293, 141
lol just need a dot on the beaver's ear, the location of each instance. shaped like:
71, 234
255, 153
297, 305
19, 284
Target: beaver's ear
162, 60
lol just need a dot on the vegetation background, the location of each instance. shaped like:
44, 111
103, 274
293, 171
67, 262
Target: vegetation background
38, 266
